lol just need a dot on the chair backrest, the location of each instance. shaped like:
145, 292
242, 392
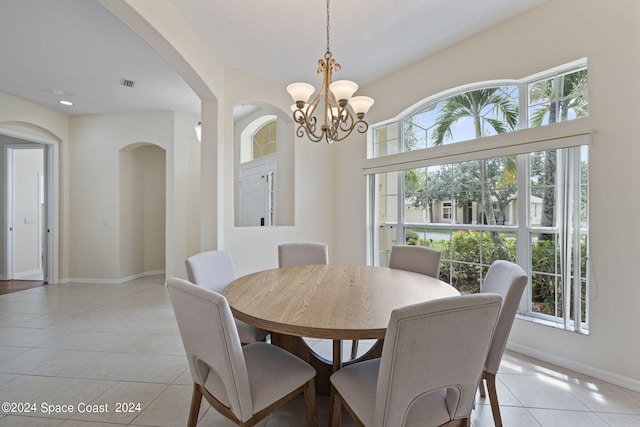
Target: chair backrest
416, 258
290, 254
439, 347
507, 280
212, 270
211, 341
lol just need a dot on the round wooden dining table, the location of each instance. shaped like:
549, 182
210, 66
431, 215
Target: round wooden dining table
337, 302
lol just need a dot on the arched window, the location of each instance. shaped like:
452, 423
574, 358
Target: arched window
259, 138
485, 110
490, 197
265, 140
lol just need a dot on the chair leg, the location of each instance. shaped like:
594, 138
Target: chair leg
354, 349
493, 397
336, 410
196, 400
481, 384
461, 422
310, 403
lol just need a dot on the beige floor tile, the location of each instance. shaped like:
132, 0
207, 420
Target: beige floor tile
505, 397
600, 396
55, 391
29, 422
25, 307
184, 378
553, 418
212, 418
621, 420
16, 319
511, 416
77, 423
5, 378
90, 322
538, 391
63, 363
170, 409
19, 360
116, 366
26, 337
159, 369
10, 335
154, 343
140, 395
86, 340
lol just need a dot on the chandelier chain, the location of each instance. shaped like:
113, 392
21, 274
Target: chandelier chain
328, 50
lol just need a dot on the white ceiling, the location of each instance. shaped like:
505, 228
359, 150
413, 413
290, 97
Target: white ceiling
78, 47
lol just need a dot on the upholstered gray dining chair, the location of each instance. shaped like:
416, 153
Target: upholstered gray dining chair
245, 384
214, 270
292, 254
416, 258
430, 366
507, 280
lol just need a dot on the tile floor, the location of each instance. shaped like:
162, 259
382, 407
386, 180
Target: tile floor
91, 344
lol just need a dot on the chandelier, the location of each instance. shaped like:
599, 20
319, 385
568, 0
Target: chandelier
341, 112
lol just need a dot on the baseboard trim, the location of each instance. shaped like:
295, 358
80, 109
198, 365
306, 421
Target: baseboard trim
598, 373
111, 281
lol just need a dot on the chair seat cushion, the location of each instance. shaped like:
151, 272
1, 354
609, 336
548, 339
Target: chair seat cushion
248, 333
357, 385
273, 373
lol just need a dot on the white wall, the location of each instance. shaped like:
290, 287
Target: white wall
559, 31
95, 190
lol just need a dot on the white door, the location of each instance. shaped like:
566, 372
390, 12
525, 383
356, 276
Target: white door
256, 195
26, 213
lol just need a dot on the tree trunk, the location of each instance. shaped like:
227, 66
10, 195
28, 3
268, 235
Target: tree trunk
489, 214
549, 183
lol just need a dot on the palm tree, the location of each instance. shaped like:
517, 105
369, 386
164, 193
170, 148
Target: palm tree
488, 107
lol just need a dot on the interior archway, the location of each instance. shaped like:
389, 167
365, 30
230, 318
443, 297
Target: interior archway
142, 210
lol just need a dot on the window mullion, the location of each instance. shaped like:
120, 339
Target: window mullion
400, 239
563, 202
523, 105
523, 248
575, 219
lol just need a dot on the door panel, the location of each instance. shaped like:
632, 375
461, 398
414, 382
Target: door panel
27, 214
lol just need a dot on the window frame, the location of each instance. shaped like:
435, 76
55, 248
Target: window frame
522, 141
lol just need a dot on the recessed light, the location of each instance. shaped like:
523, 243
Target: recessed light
63, 102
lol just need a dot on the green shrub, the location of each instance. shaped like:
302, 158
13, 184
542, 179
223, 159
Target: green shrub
467, 256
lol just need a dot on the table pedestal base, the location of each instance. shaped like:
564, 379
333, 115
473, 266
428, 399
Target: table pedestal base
324, 368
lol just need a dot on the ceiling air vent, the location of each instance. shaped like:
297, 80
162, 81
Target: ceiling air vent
127, 82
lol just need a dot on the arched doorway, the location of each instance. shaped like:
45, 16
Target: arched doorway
142, 210
44, 216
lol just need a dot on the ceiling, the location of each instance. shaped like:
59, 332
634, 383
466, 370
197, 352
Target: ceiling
77, 50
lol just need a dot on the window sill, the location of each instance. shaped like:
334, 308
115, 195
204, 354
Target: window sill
544, 322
